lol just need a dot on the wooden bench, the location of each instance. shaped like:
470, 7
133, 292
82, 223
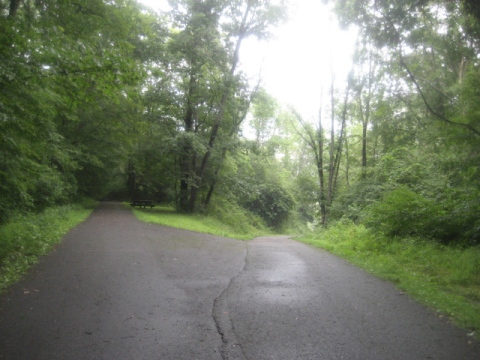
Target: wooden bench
143, 203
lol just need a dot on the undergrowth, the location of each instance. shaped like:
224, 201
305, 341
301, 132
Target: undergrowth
444, 278
223, 219
24, 239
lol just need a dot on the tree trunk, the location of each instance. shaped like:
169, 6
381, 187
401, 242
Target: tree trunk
321, 178
14, 5
338, 154
186, 157
219, 118
131, 181
364, 145
365, 113
215, 176
331, 166
315, 141
233, 131
347, 163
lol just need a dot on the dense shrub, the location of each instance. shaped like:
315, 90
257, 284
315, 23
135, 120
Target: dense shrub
460, 221
272, 203
25, 238
351, 204
447, 278
403, 212
233, 215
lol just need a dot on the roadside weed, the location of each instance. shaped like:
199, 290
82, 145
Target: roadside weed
26, 238
445, 278
207, 224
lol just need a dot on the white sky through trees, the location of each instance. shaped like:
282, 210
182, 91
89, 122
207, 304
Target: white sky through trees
297, 63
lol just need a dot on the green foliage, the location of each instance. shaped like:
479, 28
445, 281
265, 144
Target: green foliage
272, 203
403, 212
108, 99
353, 201
224, 219
65, 75
413, 193
235, 216
445, 278
27, 237
305, 192
422, 143
263, 115
460, 223
256, 181
469, 93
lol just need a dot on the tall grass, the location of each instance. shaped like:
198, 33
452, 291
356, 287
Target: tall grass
27, 237
444, 278
222, 220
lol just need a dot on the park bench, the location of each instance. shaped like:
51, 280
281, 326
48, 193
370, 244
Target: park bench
143, 203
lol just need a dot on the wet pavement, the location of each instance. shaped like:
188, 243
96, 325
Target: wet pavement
117, 288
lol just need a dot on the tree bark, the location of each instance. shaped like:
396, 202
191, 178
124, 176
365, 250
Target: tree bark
215, 176
233, 131
14, 5
331, 165
341, 138
314, 139
321, 177
186, 157
429, 107
220, 115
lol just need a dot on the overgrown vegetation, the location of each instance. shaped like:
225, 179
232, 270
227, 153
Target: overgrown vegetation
27, 237
445, 278
141, 104
229, 220
108, 98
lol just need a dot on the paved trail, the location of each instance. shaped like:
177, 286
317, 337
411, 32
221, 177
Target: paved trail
117, 288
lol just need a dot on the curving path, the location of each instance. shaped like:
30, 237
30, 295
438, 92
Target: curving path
117, 288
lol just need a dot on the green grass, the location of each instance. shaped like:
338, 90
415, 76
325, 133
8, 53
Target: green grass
446, 279
26, 238
207, 224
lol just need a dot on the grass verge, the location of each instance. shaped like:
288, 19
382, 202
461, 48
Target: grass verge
207, 224
444, 278
25, 239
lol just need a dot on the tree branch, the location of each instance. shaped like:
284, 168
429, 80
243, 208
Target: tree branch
14, 5
427, 104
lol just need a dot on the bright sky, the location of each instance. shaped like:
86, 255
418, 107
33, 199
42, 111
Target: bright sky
297, 63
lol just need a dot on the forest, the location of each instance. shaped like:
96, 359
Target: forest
108, 99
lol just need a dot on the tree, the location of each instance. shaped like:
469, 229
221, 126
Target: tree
208, 42
250, 18
237, 120
61, 61
396, 29
263, 114
425, 55
314, 137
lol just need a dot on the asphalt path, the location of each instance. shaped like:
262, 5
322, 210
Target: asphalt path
116, 288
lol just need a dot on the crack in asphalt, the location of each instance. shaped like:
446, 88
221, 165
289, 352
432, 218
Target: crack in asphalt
231, 348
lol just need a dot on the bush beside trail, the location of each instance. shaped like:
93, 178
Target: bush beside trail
24, 239
443, 277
